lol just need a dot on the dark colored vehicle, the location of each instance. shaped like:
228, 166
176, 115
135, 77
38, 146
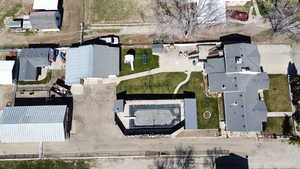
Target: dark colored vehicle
238, 15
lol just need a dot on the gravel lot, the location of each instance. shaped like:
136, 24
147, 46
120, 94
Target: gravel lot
6, 95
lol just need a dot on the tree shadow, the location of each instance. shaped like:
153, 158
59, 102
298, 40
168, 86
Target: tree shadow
183, 160
286, 126
232, 161
292, 70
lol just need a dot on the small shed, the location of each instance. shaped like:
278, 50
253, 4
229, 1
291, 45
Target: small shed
46, 21
45, 4
33, 124
6, 72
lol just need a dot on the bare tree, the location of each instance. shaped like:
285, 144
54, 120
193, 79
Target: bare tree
183, 160
183, 17
282, 15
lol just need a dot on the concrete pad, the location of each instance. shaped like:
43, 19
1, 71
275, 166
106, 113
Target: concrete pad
91, 81
172, 61
77, 89
275, 58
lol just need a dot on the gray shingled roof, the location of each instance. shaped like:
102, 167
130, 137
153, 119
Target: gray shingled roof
214, 65
33, 114
45, 20
246, 53
244, 111
29, 59
91, 61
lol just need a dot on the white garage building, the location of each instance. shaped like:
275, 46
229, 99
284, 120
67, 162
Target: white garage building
33, 124
6, 72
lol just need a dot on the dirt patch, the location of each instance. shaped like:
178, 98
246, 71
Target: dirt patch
199, 133
69, 34
6, 95
117, 11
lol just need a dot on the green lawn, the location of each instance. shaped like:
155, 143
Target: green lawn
162, 83
277, 98
44, 81
45, 164
165, 83
204, 103
279, 125
139, 66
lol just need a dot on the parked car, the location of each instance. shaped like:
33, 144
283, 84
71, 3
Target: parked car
238, 15
110, 39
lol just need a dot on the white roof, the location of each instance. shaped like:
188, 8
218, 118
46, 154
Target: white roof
45, 4
32, 124
6, 65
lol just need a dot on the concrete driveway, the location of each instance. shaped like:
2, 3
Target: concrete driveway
275, 58
172, 61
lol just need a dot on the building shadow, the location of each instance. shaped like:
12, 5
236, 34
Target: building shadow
124, 96
44, 45
232, 161
235, 38
96, 41
292, 70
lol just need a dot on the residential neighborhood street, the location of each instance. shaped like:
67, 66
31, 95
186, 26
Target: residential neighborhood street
96, 134
139, 84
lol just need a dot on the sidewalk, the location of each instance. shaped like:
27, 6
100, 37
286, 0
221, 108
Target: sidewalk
279, 114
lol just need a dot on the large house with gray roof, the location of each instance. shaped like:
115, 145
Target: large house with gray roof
91, 61
239, 77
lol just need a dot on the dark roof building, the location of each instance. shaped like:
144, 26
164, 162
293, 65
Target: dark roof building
29, 59
45, 20
91, 61
238, 76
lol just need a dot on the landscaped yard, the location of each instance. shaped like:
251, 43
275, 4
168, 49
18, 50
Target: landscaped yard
139, 66
279, 125
162, 83
45, 164
277, 98
204, 103
165, 83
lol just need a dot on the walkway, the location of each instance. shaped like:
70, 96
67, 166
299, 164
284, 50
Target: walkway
279, 114
183, 82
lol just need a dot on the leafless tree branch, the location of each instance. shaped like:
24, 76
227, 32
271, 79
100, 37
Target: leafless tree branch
183, 18
282, 15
